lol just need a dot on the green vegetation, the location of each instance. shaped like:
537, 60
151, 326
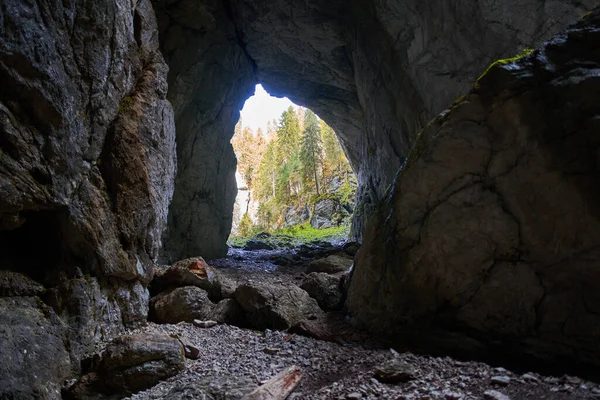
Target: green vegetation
126, 105
505, 61
297, 162
295, 235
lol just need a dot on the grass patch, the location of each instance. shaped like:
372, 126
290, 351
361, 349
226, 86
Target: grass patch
296, 235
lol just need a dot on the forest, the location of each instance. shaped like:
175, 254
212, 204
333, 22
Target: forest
294, 174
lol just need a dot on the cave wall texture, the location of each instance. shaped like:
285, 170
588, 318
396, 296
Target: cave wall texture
87, 168
495, 213
377, 72
490, 239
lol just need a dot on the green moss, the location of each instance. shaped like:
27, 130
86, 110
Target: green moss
459, 100
126, 105
371, 150
418, 148
505, 61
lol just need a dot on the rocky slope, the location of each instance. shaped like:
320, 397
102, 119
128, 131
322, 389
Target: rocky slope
489, 240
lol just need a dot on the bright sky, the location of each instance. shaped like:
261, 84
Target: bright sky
262, 108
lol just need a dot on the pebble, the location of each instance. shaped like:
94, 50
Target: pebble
354, 395
500, 380
495, 395
205, 324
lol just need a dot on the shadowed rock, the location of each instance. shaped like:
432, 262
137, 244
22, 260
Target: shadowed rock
492, 230
130, 364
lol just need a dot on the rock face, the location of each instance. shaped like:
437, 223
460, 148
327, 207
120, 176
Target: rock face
375, 71
87, 165
32, 338
210, 78
489, 238
327, 213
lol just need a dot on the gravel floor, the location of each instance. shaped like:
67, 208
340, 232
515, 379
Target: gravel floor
233, 361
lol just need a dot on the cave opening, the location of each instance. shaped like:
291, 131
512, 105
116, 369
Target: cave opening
292, 175
34, 248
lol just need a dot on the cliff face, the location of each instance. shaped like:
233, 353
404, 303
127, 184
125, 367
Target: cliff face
87, 165
489, 238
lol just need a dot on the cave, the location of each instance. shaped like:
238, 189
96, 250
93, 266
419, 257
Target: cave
471, 127
34, 248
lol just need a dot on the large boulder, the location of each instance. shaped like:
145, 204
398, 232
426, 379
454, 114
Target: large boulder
490, 235
257, 244
181, 304
296, 217
33, 343
331, 264
129, 364
189, 272
275, 306
324, 288
327, 213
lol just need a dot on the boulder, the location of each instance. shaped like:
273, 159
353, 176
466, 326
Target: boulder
394, 370
324, 288
330, 265
33, 340
129, 364
227, 311
189, 272
256, 244
181, 304
351, 248
16, 284
492, 228
323, 213
275, 306
296, 217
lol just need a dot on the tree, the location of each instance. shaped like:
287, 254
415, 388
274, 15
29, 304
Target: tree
246, 226
310, 154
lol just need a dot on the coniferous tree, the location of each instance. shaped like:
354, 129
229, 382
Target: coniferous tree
311, 148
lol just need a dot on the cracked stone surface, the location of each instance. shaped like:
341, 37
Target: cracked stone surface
87, 166
489, 238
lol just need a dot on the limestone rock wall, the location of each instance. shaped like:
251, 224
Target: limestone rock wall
375, 71
210, 78
489, 239
87, 165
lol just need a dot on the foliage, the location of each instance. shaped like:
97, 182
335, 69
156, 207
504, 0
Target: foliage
295, 235
245, 227
296, 161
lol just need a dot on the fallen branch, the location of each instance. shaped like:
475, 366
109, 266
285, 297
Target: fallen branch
279, 387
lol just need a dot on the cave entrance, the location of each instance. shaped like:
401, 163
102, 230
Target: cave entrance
34, 248
292, 174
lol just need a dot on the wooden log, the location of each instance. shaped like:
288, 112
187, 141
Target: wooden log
279, 387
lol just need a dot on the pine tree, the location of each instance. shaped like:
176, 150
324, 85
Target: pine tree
311, 149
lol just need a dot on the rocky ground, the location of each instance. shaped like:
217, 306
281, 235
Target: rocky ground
233, 361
